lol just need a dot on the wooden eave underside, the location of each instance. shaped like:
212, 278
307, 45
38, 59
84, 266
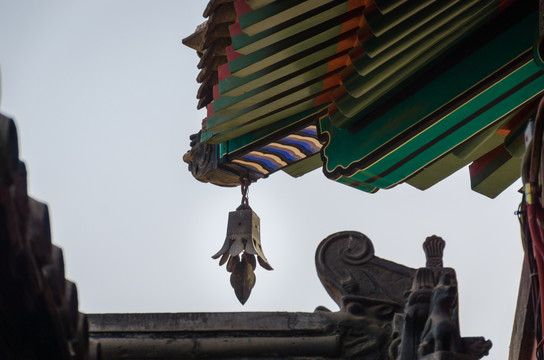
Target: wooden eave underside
284, 61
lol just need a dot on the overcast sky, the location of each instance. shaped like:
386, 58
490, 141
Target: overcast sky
103, 94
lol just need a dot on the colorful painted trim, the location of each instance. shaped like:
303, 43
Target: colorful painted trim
279, 154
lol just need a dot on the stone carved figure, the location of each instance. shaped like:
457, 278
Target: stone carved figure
369, 291
430, 322
416, 312
389, 311
365, 327
441, 332
346, 265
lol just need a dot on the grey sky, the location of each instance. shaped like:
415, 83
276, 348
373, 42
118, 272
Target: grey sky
103, 93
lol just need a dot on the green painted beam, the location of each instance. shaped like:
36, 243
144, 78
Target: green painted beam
450, 163
236, 86
255, 4
213, 137
386, 6
268, 16
271, 131
306, 93
380, 23
304, 166
515, 141
454, 128
494, 172
246, 44
390, 48
344, 149
430, 17
354, 182
234, 104
248, 64
365, 91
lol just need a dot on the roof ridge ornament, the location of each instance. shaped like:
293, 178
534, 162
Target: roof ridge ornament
433, 246
390, 311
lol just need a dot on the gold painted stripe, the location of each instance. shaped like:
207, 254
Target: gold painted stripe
293, 150
309, 139
312, 128
270, 157
320, 113
252, 165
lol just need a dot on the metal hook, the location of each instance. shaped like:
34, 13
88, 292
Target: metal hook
244, 185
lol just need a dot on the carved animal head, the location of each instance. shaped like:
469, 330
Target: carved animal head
418, 302
368, 307
198, 156
202, 162
445, 296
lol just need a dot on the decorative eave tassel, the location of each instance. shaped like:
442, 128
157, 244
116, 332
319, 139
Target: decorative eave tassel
243, 237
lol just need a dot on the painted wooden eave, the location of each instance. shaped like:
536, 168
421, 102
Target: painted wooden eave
386, 67
295, 74
421, 146
210, 40
283, 63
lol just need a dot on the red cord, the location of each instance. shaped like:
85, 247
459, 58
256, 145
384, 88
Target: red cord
535, 212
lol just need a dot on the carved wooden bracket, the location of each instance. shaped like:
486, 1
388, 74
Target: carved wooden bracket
205, 166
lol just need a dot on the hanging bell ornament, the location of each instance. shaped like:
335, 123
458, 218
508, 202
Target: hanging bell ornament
243, 237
